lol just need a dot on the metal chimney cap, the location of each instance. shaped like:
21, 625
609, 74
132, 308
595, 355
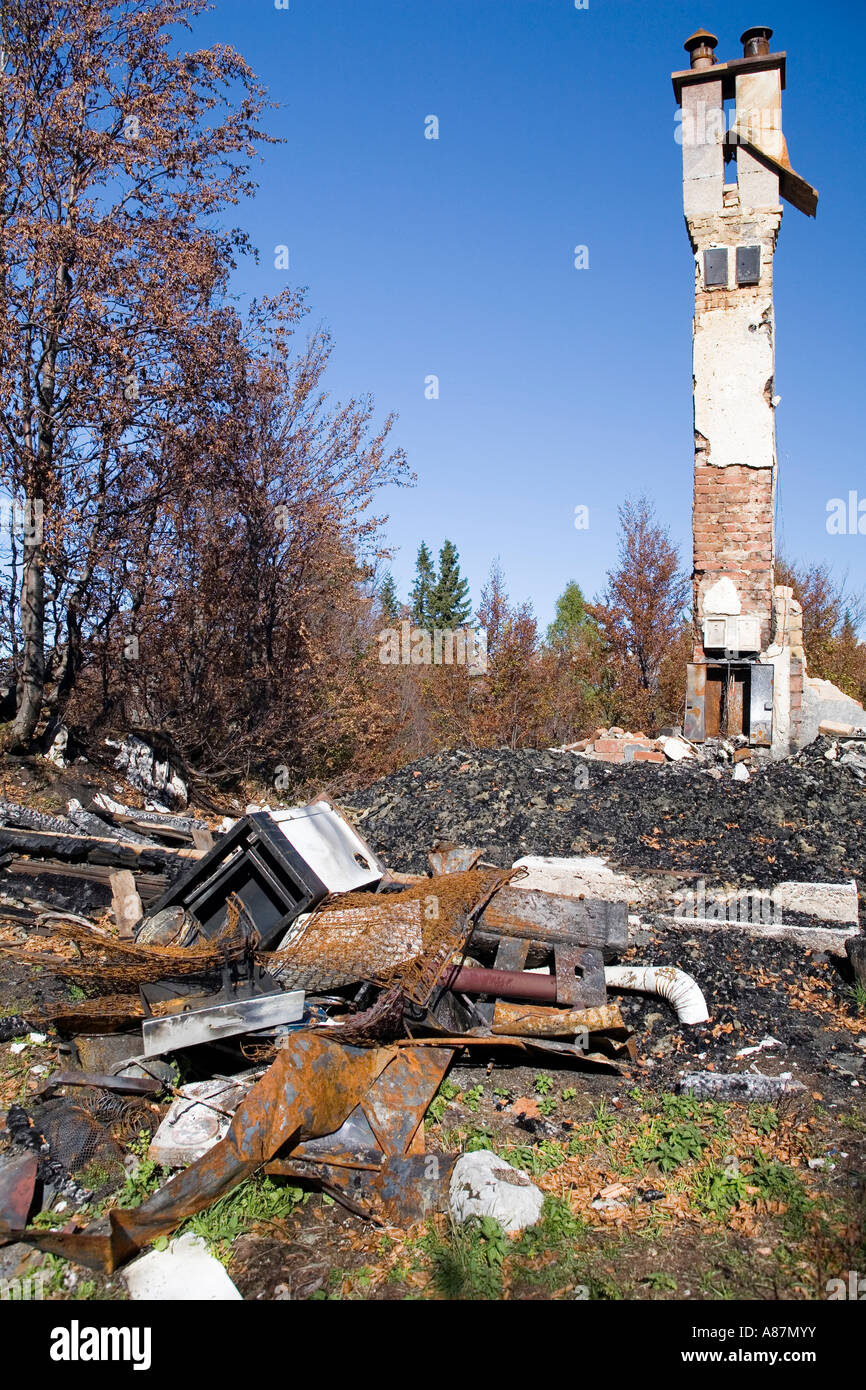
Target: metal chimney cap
700, 48
756, 42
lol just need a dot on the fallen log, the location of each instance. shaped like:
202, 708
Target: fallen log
96, 850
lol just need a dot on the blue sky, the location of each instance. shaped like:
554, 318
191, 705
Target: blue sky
454, 257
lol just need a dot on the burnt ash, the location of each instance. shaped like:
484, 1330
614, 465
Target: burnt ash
801, 818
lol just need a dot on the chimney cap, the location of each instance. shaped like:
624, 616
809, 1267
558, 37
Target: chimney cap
700, 48
756, 41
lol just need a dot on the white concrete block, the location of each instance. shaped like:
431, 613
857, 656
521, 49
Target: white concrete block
830, 902
579, 876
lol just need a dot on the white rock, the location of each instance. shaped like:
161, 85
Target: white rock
186, 1270
483, 1184
143, 769
675, 748
57, 752
741, 773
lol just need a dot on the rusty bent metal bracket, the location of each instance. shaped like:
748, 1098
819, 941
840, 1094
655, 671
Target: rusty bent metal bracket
310, 1091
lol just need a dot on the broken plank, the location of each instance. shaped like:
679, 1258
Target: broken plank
125, 902
96, 850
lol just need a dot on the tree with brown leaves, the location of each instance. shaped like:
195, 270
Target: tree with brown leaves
642, 617
118, 154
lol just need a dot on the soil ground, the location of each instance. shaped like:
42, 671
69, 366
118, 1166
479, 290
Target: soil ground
650, 1194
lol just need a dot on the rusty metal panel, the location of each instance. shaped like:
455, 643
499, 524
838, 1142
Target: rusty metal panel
312, 1087
579, 977
761, 706
694, 726
397, 1101
17, 1185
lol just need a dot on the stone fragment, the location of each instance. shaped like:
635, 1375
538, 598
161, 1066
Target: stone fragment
483, 1184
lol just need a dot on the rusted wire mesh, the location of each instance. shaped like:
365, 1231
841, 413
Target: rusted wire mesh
113, 965
396, 940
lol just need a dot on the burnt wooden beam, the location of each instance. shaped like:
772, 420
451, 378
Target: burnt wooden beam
94, 849
552, 919
150, 886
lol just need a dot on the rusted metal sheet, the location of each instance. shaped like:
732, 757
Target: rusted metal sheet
397, 1101
528, 1020
402, 1191
694, 724
312, 1087
17, 1185
388, 1120
452, 859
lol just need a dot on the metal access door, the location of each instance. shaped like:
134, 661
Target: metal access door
723, 699
761, 706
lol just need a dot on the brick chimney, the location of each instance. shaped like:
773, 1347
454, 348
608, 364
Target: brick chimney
733, 220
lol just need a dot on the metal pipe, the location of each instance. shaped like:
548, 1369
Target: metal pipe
756, 42
504, 984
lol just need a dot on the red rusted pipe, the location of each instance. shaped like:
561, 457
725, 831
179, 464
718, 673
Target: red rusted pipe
504, 984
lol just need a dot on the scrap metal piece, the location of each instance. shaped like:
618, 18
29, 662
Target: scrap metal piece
17, 1185
404, 1190
579, 976
311, 1088
123, 1085
176, 1031
397, 1101
448, 858
528, 1020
